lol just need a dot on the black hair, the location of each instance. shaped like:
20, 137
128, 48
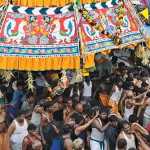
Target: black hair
88, 110
66, 129
87, 80
29, 94
132, 148
121, 65
104, 110
32, 127
144, 73
133, 118
3, 89
129, 79
19, 83
122, 123
122, 143
144, 84
113, 118
148, 94
114, 59
77, 117
127, 85
92, 111
20, 113
138, 90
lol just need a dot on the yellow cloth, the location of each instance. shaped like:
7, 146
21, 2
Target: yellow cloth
89, 61
49, 3
34, 64
2, 2
85, 72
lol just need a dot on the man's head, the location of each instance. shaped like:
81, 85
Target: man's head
129, 93
79, 108
148, 95
126, 127
31, 128
38, 109
122, 144
20, 117
114, 120
133, 118
49, 113
30, 97
19, 85
69, 103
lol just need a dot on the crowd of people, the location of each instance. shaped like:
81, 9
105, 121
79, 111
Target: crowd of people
107, 113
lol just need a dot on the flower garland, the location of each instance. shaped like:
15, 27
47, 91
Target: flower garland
6, 75
62, 84
143, 53
119, 11
30, 81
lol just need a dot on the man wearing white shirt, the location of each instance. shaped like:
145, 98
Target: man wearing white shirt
87, 90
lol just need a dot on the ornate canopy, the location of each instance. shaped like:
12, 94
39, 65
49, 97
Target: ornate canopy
45, 38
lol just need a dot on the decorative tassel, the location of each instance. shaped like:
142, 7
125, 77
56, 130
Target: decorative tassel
148, 42
139, 51
30, 81
79, 76
143, 53
64, 79
6, 75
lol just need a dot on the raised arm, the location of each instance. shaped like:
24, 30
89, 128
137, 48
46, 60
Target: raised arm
136, 127
122, 103
97, 125
137, 103
81, 128
142, 144
141, 95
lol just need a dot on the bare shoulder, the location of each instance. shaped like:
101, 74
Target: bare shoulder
121, 135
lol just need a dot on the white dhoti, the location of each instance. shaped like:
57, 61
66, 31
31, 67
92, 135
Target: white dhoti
98, 145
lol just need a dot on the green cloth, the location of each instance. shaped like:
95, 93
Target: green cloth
3, 101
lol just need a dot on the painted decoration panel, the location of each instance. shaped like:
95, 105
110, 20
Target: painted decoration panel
38, 35
41, 32
112, 20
